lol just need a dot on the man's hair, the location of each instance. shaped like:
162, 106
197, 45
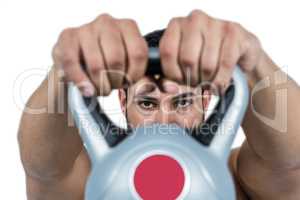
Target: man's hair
154, 37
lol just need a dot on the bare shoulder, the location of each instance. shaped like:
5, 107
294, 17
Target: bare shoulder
69, 187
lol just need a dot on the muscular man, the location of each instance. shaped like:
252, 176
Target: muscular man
198, 48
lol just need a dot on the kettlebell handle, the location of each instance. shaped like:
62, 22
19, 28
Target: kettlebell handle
100, 134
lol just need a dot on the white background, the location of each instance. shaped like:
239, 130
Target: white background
29, 29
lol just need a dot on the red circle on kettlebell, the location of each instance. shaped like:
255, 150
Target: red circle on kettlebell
159, 177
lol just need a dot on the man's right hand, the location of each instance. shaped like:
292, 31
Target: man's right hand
111, 50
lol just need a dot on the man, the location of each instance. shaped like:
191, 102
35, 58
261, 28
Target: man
197, 48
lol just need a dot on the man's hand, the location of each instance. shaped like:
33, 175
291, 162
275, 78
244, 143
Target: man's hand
109, 48
201, 48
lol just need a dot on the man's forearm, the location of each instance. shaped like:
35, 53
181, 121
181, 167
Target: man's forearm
48, 145
271, 123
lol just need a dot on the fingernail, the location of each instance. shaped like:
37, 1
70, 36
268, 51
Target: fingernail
170, 87
86, 88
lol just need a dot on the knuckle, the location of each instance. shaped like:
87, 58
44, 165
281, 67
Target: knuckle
175, 20
214, 26
226, 63
206, 70
68, 33
102, 20
187, 61
173, 73
95, 67
63, 48
104, 17
115, 62
67, 64
219, 83
84, 30
232, 27
56, 52
131, 78
67, 59
134, 77
253, 40
191, 23
166, 51
222, 84
129, 23
141, 53
208, 65
200, 16
176, 77
197, 13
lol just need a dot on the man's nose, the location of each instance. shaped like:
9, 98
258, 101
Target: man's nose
166, 116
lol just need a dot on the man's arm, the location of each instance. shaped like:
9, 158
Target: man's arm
55, 163
48, 145
51, 150
268, 161
71, 186
278, 144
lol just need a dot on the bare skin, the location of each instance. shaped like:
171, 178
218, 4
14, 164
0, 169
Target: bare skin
197, 47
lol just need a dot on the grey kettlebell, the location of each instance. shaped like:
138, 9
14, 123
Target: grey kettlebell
159, 161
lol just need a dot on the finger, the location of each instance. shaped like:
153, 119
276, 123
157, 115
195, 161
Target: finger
211, 52
230, 54
144, 86
136, 50
190, 51
170, 86
67, 56
113, 51
169, 48
250, 52
93, 59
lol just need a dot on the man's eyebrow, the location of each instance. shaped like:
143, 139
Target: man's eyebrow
146, 98
175, 98
183, 95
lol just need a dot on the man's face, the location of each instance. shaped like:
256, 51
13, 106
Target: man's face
167, 103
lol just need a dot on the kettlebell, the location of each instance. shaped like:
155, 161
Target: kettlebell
160, 161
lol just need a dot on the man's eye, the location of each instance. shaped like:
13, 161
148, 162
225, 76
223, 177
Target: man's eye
148, 105
183, 103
